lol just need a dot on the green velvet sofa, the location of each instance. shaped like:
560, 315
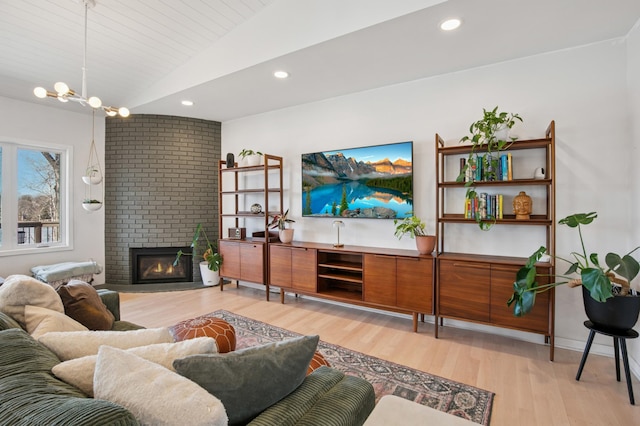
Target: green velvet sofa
31, 395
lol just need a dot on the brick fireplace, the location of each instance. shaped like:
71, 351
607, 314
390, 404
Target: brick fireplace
161, 180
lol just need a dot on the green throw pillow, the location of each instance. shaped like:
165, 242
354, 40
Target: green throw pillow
6, 322
250, 380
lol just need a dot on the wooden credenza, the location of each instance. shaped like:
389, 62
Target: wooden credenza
396, 280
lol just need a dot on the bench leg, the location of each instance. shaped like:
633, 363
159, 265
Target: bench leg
627, 374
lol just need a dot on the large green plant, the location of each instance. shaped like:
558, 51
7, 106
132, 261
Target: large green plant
484, 139
593, 276
209, 254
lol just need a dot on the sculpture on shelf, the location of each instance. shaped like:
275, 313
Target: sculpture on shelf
338, 224
522, 206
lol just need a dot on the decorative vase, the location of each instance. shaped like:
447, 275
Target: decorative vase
253, 160
425, 243
286, 235
502, 133
230, 160
209, 277
617, 312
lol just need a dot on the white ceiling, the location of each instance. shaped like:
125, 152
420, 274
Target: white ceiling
150, 54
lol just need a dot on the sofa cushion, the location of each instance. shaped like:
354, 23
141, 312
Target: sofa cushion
30, 394
249, 380
79, 371
155, 395
74, 344
41, 320
82, 303
325, 397
21, 290
6, 322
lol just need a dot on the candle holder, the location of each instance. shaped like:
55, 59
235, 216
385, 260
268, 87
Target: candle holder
338, 224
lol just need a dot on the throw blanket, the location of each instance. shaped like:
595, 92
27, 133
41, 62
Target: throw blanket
61, 271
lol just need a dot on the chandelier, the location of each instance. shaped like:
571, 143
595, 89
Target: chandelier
63, 93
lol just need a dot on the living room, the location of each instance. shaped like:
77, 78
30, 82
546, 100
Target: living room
582, 88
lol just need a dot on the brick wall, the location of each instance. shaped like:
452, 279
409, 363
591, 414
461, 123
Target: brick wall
161, 180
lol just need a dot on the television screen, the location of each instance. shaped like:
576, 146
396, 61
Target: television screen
374, 182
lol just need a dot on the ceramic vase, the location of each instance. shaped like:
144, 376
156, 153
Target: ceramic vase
286, 235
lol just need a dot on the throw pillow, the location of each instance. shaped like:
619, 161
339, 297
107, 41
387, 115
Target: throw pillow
153, 394
249, 380
21, 290
317, 361
82, 303
79, 371
74, 344
41, 320
219, 329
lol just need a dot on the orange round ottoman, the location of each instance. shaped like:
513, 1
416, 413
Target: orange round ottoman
219, 329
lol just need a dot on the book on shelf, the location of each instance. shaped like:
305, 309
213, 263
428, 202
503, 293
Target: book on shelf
509, 167
484, 206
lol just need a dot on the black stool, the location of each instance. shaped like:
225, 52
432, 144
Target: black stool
619, 341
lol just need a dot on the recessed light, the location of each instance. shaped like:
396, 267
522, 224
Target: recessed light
281, 74
187, 103
450, 24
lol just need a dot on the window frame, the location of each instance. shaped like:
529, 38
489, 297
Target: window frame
9, 244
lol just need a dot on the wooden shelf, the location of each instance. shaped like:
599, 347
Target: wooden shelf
514, 182
250, 191
535, 220
341, 277
517, 145
347, 266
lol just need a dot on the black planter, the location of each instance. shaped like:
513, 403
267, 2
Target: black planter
618, 312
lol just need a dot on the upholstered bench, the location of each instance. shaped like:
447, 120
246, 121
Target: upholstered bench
395, 411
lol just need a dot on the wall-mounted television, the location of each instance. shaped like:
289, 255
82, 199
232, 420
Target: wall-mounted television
373, 182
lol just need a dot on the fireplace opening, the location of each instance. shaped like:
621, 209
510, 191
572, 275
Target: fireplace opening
154, 265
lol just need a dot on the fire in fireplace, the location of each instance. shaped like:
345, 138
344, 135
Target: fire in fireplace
153, 265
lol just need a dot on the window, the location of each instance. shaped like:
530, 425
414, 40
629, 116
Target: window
33, 197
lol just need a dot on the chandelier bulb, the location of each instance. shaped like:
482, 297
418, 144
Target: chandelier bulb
61, 88
95, 102
111, 112
40, 92
124, 112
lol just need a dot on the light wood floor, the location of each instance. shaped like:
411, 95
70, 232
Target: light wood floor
530, 390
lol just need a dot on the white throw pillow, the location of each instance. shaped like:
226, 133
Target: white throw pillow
17, 291
74, 344
153, 394
79, 371
42, 320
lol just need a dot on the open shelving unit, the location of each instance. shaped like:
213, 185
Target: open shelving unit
475, 287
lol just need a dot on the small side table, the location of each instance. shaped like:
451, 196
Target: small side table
619, 345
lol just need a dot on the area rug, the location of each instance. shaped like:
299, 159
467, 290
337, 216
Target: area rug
387, 377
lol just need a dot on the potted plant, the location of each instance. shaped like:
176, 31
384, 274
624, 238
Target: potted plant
489, 135
210, 266
280, 221
604, 288
251, 157
415, 227
91, 205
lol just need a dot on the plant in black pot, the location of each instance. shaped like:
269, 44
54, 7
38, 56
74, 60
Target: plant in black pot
608, 299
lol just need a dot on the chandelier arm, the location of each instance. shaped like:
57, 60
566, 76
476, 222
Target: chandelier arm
84, 59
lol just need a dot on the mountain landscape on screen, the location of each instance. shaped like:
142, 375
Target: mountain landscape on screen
369, 182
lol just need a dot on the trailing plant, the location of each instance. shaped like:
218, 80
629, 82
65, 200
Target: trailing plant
411, 225
209, 254
485, 138
91, 201
595, 277
280, 220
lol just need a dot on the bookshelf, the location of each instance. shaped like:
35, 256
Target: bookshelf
476, 286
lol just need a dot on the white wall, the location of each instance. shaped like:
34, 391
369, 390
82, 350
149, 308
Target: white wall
633, 78
52, 122
583, 89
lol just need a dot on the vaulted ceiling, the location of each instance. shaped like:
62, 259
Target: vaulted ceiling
151, 54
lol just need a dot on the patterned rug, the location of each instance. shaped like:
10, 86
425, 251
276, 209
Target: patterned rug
387, 377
